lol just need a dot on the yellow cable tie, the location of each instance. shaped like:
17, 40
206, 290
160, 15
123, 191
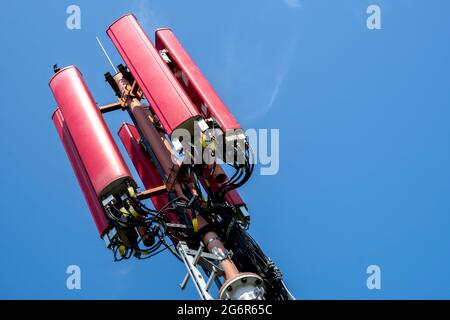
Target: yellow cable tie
195, 224
131, 192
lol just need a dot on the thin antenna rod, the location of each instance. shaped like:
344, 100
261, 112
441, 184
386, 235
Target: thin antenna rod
106, 54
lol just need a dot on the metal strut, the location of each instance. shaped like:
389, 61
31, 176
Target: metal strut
208, 261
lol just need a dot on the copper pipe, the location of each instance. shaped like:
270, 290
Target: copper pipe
214, 245
143, 117
160, 147
145, 122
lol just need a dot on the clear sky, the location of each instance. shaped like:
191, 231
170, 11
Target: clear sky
364, 143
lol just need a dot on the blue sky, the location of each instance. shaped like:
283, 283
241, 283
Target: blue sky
364, 143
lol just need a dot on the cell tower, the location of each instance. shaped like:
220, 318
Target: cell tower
182, 134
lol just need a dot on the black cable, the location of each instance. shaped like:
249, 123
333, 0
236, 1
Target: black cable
170, 249
153, 254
